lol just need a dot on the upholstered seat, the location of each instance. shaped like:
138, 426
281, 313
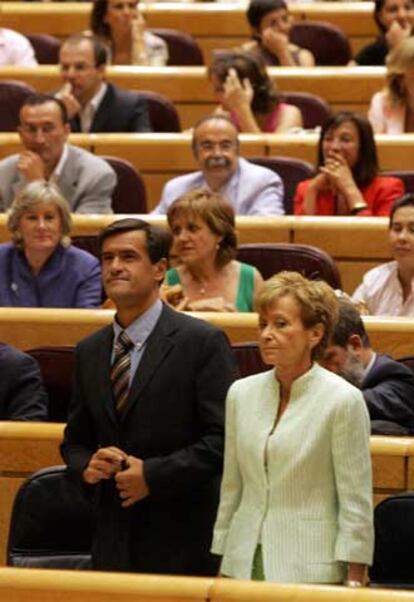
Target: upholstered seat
52, 523
292, 171
46, 48
182, 48
309, 261
12, 95
129, 195
327, 42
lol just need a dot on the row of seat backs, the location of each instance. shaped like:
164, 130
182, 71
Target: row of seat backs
130, 195
162, 112
328, 43
52, 526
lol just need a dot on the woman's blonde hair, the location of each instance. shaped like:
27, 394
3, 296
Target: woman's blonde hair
317, 300
398, 61
215, 212
39, 192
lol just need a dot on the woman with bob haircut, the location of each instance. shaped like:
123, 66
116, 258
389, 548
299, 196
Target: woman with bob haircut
296, 494
121, 25
395, 20
387, 289
270, 24
392, 109
207, 278
246, 93
347, 180
40, 268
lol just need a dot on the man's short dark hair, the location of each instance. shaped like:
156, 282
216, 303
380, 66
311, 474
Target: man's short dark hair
213, 117
100, 49
36, 100
158, 240
349, 323
405, 201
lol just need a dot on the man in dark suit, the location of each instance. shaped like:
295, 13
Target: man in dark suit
22, 396
93, 104
387, 385
153, 454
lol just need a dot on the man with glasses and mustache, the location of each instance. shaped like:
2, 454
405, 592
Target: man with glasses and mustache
86, 181
250, 189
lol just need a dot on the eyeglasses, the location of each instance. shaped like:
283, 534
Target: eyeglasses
224, 145
31, 129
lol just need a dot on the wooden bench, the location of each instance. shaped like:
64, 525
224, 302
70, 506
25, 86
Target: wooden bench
37, 585
348, 88
160, 157
212, 25
333, 234
26, 328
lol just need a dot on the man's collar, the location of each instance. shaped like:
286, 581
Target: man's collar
57, 172
98, 97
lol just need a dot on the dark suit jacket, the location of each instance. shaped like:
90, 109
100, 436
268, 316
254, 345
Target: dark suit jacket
174, 421
22, 396
119, 111
388, 389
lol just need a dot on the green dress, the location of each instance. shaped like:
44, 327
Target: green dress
245, 291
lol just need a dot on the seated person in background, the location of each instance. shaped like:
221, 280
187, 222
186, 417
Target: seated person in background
208, 278
387, 385
15, 49
121, 25
22, 396
271, 23
347, 182
392, 109
40, 268
93, 104
387, 289
250, 189
86, 181
395, 19
247, 94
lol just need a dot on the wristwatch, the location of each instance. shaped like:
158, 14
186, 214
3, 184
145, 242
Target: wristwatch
358, 207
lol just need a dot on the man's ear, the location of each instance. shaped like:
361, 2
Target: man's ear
355, 343
160, 269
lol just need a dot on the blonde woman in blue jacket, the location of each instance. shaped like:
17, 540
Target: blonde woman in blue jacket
296, 495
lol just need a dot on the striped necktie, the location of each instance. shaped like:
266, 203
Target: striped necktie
120, 371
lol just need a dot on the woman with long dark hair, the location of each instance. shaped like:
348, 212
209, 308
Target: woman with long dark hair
347, 180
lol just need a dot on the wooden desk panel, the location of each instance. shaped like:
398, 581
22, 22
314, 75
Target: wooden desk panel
24, 448
37, 585
26, 328
189, 89
213, 25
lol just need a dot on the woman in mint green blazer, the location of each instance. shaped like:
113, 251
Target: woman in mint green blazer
296, 495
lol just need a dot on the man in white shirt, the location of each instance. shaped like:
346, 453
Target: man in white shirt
15, 49
250, 189
93, 104
86, 181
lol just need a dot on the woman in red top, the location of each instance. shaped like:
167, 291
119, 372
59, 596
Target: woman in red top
347, 182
